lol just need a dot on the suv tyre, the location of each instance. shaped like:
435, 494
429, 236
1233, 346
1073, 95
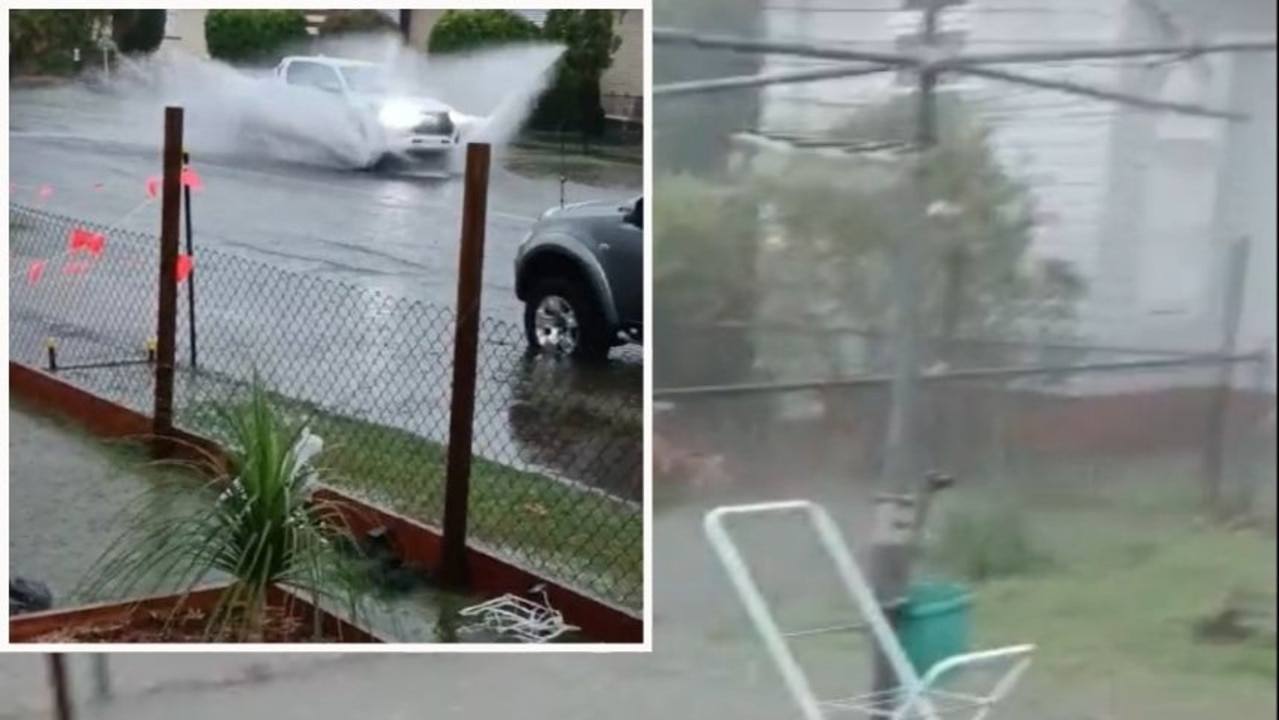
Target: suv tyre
562, 316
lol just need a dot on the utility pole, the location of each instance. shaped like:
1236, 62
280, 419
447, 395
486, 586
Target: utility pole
901, 475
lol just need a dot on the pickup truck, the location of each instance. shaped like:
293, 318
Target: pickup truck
580, 275
405, 125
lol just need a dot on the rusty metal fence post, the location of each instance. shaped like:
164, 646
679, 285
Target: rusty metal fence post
167, 306
190, 280
61, 686
466, 334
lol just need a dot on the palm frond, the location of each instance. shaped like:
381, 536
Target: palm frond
260, 530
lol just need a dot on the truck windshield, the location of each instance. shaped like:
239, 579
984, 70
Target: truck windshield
362, 79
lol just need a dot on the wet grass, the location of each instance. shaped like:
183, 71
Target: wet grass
597, 169
1124, 580
559, 529
1109, 570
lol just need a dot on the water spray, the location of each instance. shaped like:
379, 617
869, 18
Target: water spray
237, 112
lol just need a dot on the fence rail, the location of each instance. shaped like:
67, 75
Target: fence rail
557, 474
1028, 422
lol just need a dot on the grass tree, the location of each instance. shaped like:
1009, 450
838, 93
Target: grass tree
258, 525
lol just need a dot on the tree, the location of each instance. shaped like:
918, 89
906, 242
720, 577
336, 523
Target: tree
44, 40
691, 134
468, 30
841, 220
702, 282
252, 35
574, 100
344, 22
138, 31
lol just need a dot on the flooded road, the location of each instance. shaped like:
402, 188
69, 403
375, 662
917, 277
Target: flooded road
395, 233
337, 287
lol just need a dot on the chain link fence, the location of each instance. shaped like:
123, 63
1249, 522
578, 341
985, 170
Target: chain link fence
82, 299
1092, 409
556, 478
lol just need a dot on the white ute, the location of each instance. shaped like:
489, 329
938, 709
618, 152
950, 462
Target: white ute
410, 125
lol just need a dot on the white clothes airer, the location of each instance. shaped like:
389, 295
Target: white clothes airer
518, 617
915, 698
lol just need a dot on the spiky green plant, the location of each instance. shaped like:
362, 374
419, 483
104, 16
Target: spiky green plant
263, 528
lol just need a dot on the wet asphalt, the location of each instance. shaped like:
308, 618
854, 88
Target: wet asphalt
368, 260
395, 231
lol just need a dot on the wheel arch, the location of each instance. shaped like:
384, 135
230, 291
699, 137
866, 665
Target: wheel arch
551, 258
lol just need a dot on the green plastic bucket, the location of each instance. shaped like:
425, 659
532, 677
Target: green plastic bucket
934, 623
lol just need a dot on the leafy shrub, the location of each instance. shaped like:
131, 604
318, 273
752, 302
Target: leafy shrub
43, 40
573, 102
138, 31
701, 278
989, 544
465, 30
341, 22
252, 35
264, 529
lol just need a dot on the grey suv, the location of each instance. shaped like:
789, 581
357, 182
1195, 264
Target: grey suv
580, 275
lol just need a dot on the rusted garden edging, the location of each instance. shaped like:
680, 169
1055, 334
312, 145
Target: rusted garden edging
417, 543
33, 626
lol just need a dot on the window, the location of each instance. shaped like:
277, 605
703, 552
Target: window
365, 79
309, 74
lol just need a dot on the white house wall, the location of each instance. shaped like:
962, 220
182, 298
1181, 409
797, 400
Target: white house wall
184, 29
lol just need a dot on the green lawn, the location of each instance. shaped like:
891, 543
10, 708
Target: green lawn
1124, 577
566, 532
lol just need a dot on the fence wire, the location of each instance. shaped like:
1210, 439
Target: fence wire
1084, 427
556, 478
96, 305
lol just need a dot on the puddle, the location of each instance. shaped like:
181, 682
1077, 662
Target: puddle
67, 493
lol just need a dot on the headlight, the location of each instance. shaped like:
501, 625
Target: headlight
399, 116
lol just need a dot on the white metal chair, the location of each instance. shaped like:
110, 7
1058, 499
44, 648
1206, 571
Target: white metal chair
915, 698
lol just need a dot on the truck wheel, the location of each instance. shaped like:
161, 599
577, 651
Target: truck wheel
562, 317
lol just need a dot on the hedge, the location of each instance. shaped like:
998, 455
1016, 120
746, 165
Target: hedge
464, 30
253, 35
138, 31
341, 22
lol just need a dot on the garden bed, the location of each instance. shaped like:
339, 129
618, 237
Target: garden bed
184, 619
420, 613
556, 525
